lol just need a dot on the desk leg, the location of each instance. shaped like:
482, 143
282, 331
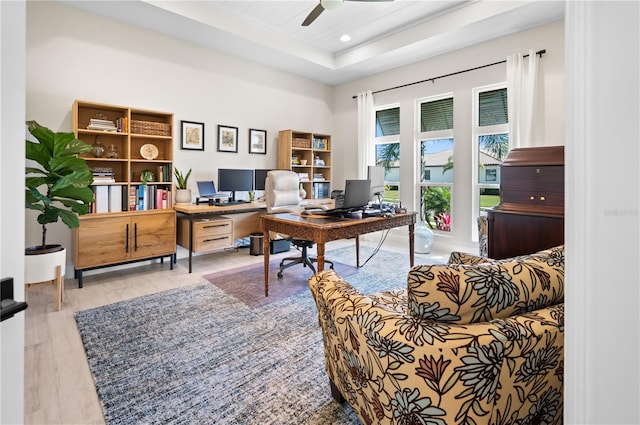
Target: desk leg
357, 251
411, 242
265, 249
190, 240
320, 256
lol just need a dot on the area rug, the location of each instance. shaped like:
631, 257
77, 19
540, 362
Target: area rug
247, 283
200, 355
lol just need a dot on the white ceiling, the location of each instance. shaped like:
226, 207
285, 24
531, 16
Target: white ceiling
384, 34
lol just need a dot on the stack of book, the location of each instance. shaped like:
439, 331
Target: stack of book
318, 177
304, 177
101, 125
103, 175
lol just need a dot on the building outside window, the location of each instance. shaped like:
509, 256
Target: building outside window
387, 149
491, 136
435, 144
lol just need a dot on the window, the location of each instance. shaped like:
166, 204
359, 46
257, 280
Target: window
435, 144
387, 150
491, 135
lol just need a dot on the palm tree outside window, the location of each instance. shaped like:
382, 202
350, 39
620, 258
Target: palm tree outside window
387, 150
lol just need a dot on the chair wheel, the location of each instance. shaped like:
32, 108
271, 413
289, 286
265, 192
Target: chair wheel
280, 275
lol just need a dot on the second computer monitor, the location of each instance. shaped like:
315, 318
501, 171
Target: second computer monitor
356, 194
259, 177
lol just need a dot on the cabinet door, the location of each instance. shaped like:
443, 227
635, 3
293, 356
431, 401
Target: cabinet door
102, 241
510, 235
153, 234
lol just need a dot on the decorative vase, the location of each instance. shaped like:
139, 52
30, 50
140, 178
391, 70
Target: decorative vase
183, 196
301, 192
98, 149
423, 239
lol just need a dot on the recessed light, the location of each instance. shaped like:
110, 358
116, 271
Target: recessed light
345, 38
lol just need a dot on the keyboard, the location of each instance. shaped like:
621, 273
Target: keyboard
232, 203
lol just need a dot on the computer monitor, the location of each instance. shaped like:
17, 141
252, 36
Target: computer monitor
356, 194
206, 189
259, 177
376, 177
235, 180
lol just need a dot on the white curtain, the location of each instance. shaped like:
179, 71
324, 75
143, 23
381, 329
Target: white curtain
522, 88
365, 132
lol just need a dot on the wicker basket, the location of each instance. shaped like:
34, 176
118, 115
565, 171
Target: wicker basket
150, 127
301, 143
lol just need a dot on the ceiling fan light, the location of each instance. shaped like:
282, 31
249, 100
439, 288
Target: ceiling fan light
330, 4
345, 37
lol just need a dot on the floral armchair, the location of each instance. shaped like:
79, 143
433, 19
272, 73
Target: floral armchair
474, 341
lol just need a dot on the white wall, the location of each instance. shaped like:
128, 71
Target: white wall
602, 350
549, 37
72, 54
12, 84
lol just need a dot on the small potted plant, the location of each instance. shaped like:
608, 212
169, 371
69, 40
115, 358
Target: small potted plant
183, 194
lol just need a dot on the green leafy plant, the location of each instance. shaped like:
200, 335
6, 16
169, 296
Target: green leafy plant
181, 179
59, 186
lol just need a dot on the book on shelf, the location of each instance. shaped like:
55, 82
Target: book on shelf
321, 190
304, 177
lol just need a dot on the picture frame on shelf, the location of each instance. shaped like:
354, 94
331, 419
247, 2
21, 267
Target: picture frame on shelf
257, 141
227, 138
192, 135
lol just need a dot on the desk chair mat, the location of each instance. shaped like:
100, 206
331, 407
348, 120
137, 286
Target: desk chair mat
247, 283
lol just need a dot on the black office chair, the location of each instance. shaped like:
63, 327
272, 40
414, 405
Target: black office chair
281, 196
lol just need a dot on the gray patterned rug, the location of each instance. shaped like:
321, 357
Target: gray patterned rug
198, 355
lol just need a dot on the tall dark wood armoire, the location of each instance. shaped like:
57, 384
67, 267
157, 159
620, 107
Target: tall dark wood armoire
530, 215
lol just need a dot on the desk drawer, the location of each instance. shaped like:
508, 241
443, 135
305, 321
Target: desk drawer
209, 233
212, 227
213, 242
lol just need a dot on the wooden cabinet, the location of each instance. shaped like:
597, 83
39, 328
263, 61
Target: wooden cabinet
530, 215
131, 219
307, 154
209, 233
108, 239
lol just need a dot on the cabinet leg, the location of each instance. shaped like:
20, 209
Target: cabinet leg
79, 276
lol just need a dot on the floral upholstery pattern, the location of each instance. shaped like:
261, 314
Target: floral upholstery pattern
483, 236
475, 341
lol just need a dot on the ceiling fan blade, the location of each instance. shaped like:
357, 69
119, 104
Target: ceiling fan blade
313, 15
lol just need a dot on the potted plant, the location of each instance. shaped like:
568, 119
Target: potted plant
183, 194
59, 186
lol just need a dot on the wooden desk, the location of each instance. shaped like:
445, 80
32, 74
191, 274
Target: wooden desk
321, 229
245, 217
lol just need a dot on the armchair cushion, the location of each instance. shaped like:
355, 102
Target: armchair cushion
479, 292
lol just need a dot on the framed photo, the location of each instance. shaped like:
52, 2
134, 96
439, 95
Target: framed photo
257, 141
192, 135
227, 139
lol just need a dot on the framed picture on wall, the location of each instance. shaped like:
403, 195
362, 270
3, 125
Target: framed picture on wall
227, 138
257, 141
192, 135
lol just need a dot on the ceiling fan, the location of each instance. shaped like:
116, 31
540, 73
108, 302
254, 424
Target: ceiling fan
327, 5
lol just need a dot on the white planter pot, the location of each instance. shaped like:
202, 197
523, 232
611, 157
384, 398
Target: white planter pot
183, 196
423, 239
43, 268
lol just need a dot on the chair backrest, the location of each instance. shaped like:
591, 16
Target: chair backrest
281, 191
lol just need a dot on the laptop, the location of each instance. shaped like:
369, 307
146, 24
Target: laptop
206, 189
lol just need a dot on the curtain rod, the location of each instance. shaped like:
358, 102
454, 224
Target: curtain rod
539, 53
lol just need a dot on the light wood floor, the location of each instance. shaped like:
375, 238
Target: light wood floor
59, 387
